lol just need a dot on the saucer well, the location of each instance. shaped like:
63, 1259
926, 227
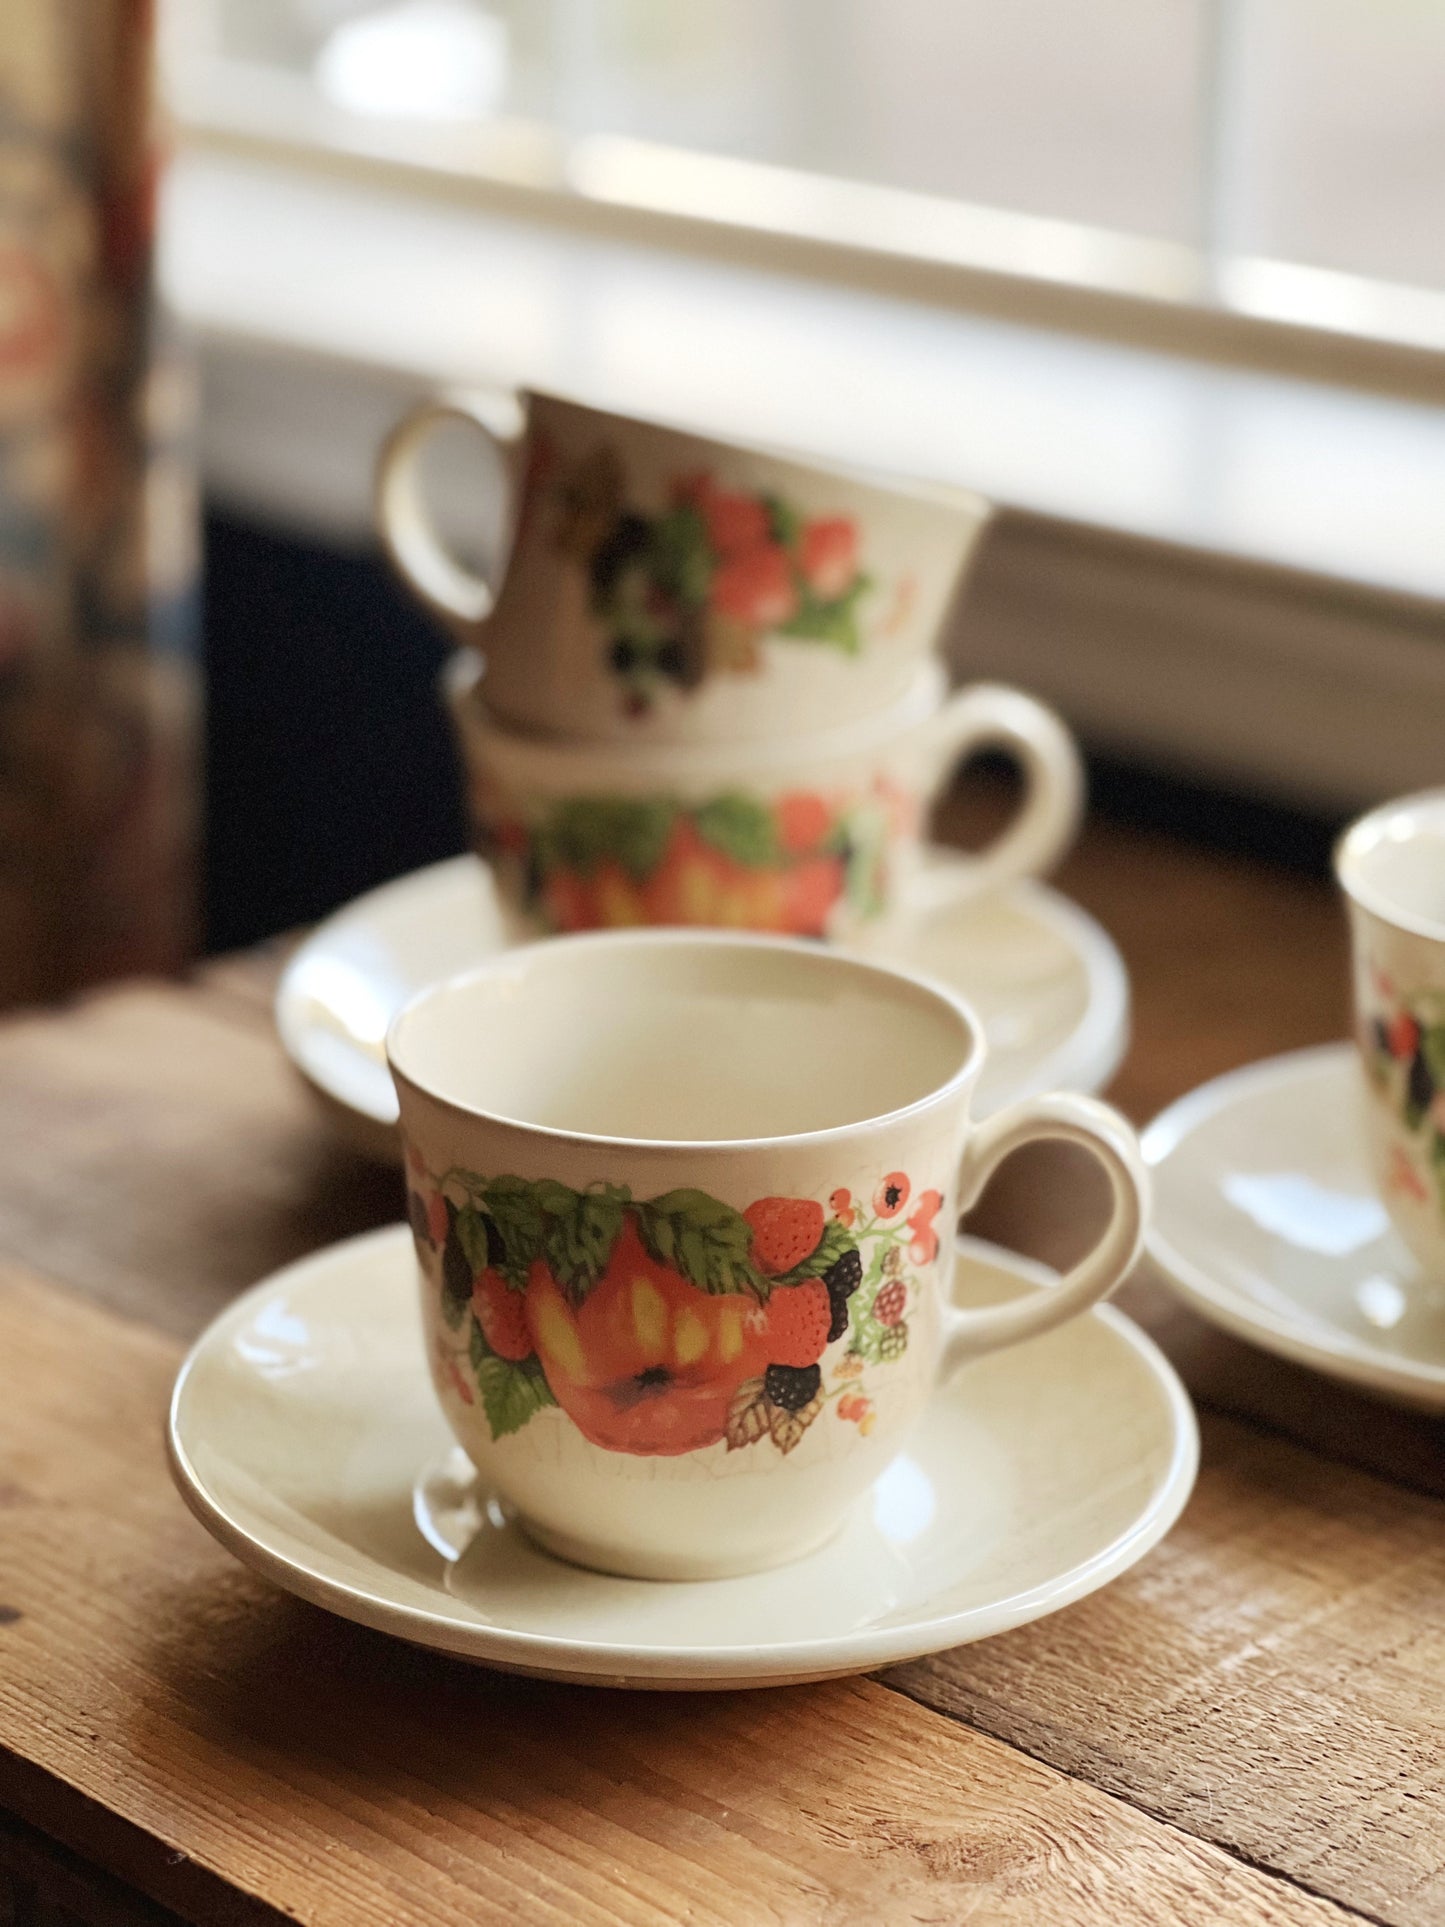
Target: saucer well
1267, 1220
305, 1435
1047, 983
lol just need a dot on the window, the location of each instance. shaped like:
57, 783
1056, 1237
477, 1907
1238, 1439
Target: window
1227, 148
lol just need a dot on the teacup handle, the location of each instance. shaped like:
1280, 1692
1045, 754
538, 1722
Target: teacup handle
993, 716
1066, 1119
404, 520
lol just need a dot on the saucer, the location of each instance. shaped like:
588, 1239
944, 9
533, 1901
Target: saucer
305, 1435
1047, 983
1267, 1220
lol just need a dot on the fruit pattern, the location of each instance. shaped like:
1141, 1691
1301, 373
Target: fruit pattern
1404, 1047
669, 1324
737, 861
693, 590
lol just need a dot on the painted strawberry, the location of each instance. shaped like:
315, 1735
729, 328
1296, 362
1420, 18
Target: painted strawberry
810, 891
803, 821
785, 1232
736, 524
756, 587
828, 555
799, 1318
1404, 1038
502, 1315
891, 1196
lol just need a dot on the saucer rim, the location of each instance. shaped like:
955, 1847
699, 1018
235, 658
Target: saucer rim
1085, 1060
1337, 1355
607, 1662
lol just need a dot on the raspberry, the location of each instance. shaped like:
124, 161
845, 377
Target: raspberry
889, 1305
785, 1232
502, 1317
799, 1323
893, 1263
893, 1344
790, 1388
850, 1365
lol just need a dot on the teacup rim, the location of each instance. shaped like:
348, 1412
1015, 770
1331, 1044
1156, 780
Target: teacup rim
959, 1081
1364, 835
968, 504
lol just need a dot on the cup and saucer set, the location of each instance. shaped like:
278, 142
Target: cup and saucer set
692, 1070
1300, 1202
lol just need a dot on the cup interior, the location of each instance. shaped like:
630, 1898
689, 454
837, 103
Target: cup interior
693, 1038
1393, 863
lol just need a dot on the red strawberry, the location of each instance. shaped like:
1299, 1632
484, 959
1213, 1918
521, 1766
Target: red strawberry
785, 1232
798, 1321
803, 821
1404, 1038
501, 1313
436, 1218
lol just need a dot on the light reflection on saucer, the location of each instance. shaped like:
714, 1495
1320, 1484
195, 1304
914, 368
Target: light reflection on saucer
1311, 1216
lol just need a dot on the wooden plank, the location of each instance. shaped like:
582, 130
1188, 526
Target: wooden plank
327, 1775
160, 1154
1269, 1677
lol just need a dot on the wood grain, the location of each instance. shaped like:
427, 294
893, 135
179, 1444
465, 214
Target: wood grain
161, 1155
320, 1773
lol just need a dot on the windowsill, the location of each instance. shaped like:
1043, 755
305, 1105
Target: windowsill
1313, 511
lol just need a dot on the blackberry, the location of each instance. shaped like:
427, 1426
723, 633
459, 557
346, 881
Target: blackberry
623, 655
838, 1323
496, 1250
627, 540
456, 1270
844, 1275
1380, 1033
893, 1343
1422, 1084
792, 1386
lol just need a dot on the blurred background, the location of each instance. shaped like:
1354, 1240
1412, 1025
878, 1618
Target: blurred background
1165, 278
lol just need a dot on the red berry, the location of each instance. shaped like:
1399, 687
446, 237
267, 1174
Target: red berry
798, 1321
891, 1196
926, 1210
888, 1306
785, 1232
436, 1218
1404, 1038
840, 1200
502, 1316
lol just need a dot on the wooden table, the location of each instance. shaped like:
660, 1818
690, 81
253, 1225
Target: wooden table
1247, 1728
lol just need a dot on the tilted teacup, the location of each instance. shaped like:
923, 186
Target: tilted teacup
1391, 866
684, 1206
814, 837
663, 588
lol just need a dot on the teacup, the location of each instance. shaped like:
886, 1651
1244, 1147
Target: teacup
684, 1205
665, 588
1391, 866
815, 837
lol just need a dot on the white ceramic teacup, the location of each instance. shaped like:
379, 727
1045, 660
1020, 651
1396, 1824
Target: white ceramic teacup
815, 837
662, 588
1391, 866
683, 1205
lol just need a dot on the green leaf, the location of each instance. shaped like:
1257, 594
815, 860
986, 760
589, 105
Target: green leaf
836, 1239
1432, 1045
708, 1242
579, 1237
511, 1393
584, 831
516, 1211
680, 555
787, 524
741, 827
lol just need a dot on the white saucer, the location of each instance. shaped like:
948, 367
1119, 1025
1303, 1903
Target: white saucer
1046, 981
305, 1435
1267, 1220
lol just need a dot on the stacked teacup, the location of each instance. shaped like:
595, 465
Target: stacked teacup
706, 689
